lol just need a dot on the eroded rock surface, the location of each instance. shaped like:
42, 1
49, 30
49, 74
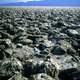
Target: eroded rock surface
39, 44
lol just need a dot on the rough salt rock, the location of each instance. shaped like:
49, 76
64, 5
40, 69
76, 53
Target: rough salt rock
62, 48
42, 76
6, 43
23, 53
58, 51
25, 41
9, 67
19, 45
48, 43
9, 51
70, 74
72, 32
62, 36
33, 67
63, 62
18, 77
21, 29
50, 69
71, 51
65, 44
45, 44
37, 51
75, 44
39, 66
6, 53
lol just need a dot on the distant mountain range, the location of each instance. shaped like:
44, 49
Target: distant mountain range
43, 3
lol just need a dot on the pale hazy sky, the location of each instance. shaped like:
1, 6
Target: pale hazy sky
4, 1
70, 2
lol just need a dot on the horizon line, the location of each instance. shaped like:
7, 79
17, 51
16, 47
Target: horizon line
44, 6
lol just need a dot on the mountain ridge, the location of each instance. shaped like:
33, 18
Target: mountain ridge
41, 3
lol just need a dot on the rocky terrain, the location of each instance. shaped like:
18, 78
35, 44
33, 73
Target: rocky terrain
39, 44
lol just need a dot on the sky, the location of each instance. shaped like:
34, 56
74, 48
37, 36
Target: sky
75, 2
10, 1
